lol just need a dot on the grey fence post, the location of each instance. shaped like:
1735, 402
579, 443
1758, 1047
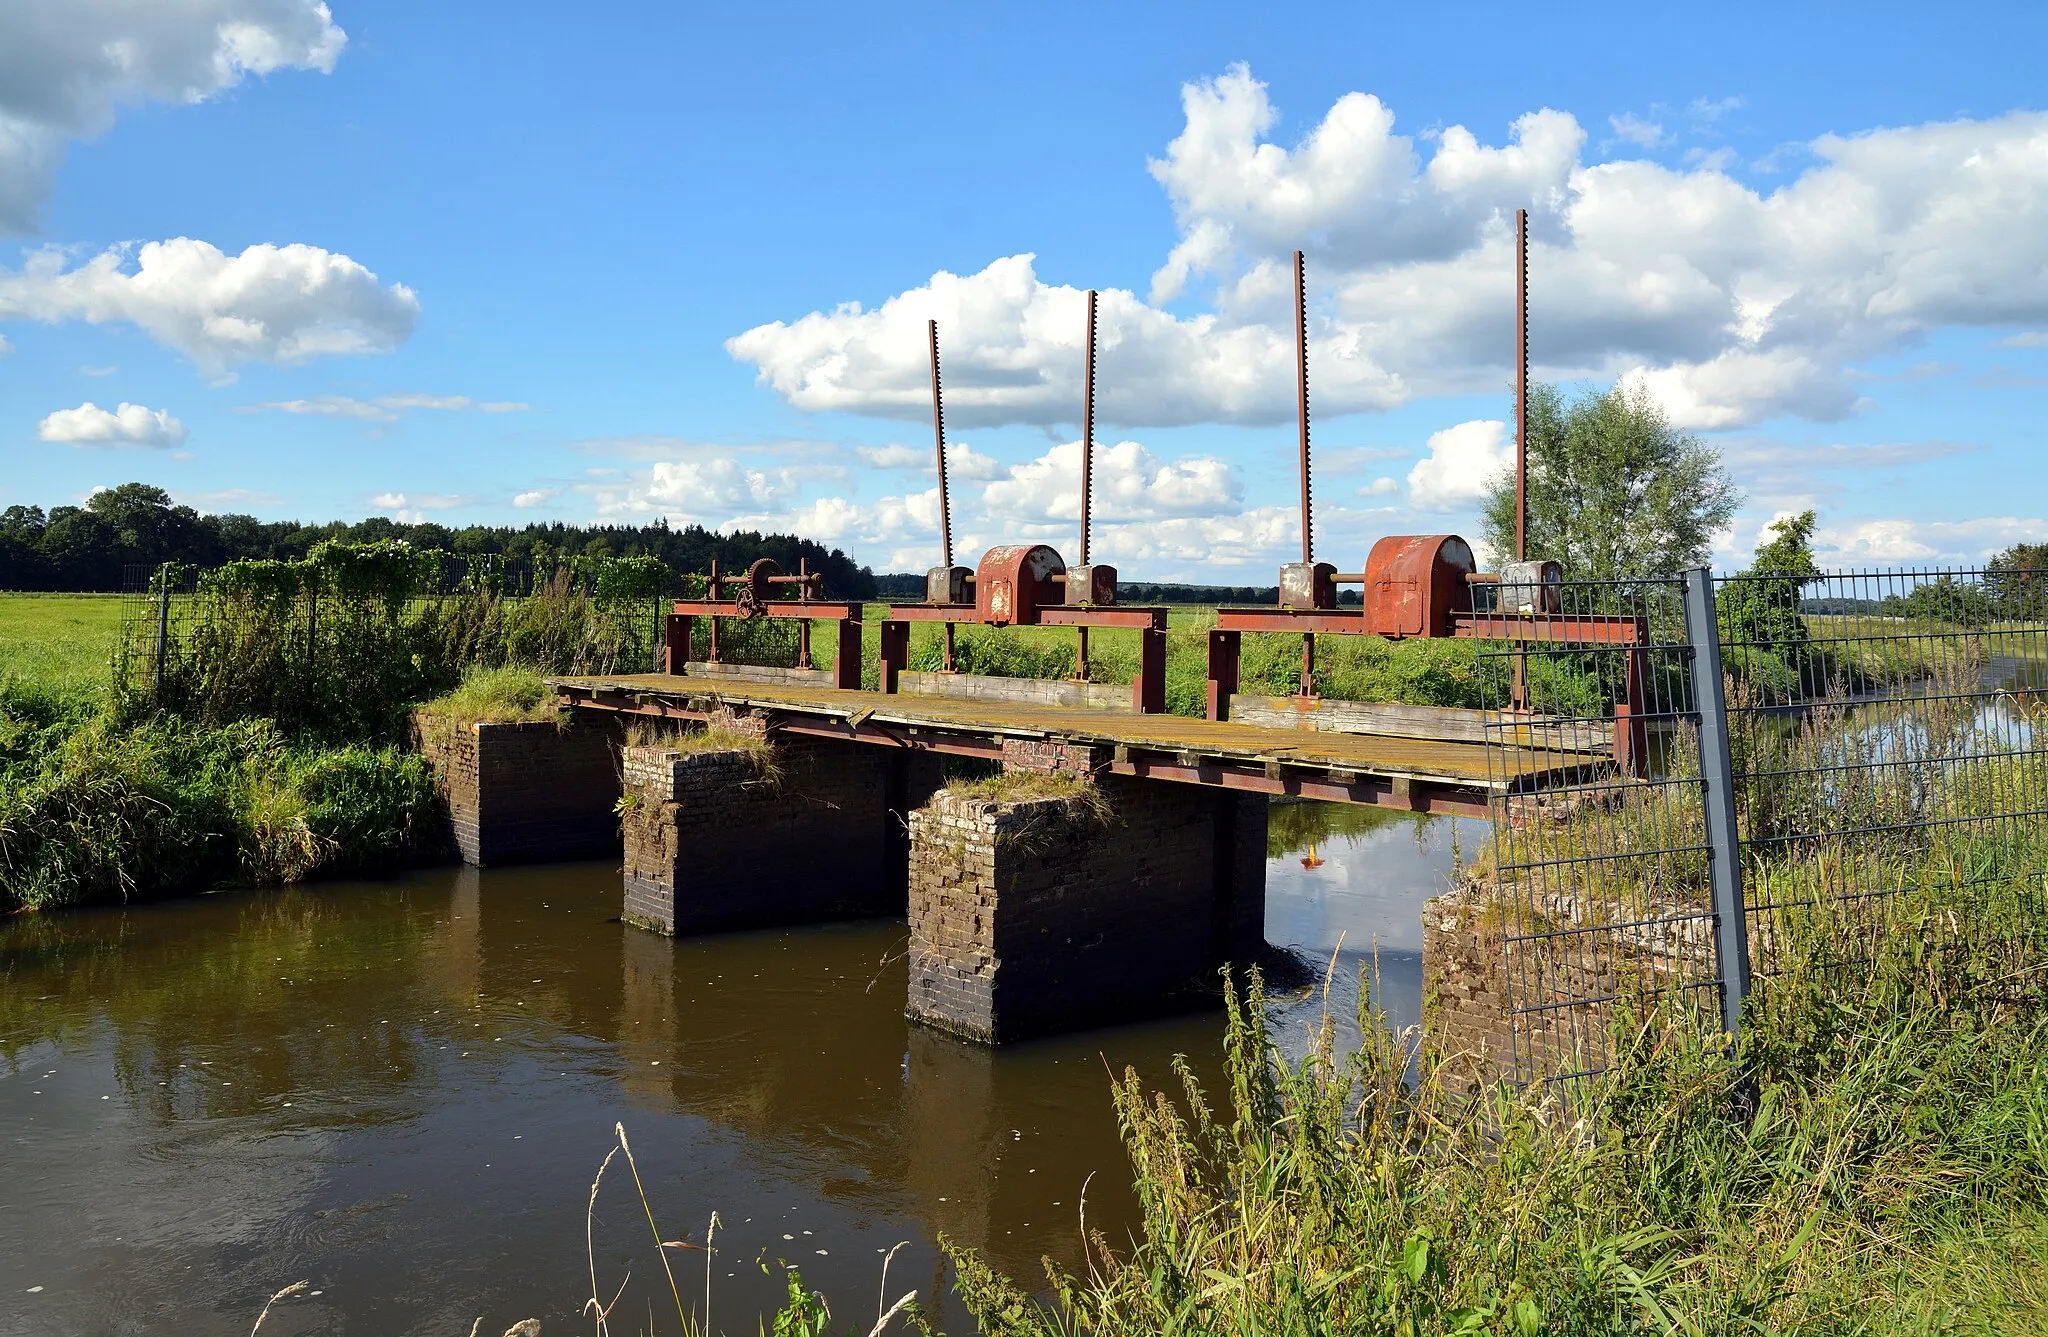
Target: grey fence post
163, 631
312, 624
1717, 773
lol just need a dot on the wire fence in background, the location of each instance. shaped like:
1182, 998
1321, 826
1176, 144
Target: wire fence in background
312, 647
1883, 729
1694, 773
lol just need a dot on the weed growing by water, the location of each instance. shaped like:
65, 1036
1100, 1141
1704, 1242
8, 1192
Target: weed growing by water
1833, 1175
92, 808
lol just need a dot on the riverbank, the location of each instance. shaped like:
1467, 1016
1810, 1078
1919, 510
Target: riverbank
1871, 1159
95, 806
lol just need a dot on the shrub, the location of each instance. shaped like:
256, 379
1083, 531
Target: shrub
98, 809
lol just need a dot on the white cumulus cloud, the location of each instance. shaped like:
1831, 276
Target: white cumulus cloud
383, 408
1892, 540
1013, 349
66, 65
1130, 484
1462, 461
283, 304
962, 460
124, 425
1733, 304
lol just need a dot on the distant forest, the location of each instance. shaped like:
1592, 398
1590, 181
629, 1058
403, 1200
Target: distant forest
92, 547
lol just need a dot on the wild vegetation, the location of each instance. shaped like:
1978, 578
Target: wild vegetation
1871, 1157
94, 806
1615, 492
266, 743
1868, 1160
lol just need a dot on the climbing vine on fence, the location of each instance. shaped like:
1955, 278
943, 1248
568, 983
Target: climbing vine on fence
344, 641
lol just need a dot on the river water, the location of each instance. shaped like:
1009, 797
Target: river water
399, 1092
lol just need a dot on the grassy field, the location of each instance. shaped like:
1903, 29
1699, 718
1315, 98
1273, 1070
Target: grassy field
58, 640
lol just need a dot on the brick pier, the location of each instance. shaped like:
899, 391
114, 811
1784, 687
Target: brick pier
1478, 958
524, 793
711, 843
1040, 914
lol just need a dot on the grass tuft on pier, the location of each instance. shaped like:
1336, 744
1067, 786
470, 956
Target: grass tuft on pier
509, 695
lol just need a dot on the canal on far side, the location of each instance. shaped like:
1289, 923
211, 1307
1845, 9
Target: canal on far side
399, 1091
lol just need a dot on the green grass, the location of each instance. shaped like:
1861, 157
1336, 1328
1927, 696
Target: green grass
508, 695
58, 640
1873, 1160
95, 808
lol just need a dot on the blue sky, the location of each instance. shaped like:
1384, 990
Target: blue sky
500, 263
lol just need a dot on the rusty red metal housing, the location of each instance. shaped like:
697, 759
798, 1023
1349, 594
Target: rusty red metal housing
1415, 585
1014, 581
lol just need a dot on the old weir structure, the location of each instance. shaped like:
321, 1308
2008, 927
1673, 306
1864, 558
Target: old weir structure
803, 794
743, 796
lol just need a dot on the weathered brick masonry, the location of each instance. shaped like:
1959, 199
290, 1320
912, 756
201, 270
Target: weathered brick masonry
711, 845
1466, 989
1031, 916
524, 793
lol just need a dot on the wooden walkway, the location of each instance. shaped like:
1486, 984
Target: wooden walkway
1420, 775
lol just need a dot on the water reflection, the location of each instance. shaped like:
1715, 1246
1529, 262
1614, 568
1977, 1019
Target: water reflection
400, 1090
1347, 884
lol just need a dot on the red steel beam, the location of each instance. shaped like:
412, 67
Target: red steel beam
813, 610
1587, 629
1371, 791
1285, 620
1136, 619
1570, 628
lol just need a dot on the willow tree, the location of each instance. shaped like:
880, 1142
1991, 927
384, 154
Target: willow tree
1615, 491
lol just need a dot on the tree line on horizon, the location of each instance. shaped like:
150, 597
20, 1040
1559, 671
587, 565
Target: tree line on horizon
94, 547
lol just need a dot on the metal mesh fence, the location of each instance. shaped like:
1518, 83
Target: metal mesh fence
1596, 872
1882, 727
214, 654
1876, 734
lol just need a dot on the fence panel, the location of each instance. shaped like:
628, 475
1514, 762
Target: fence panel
1597, 867
1881, 737
1883, 726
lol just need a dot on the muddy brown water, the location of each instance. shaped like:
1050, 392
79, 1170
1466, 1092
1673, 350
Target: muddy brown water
399, 1091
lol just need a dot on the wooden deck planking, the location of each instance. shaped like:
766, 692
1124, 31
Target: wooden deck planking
1462, 763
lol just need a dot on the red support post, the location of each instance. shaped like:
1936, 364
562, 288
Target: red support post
676, 647
895, 655
1631, 728
1224, 649
846, 661
1148, 689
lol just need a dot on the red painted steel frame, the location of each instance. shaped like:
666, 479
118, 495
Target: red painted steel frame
1631, 741
1148, 689
847, 616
